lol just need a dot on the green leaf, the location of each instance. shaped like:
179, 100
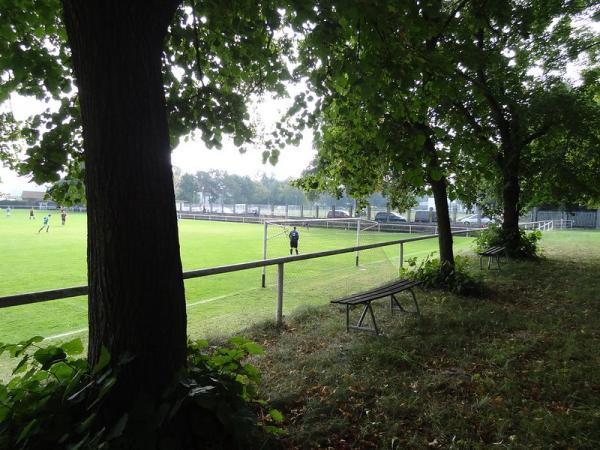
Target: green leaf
102, 361
253, 348
25, 432
22, 366
49, 355
62, 371
4, 412
276, 415
74, 347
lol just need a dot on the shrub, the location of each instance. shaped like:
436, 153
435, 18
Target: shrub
493, 236
453, 279
54, 400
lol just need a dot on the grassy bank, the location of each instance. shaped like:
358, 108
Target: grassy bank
519, 368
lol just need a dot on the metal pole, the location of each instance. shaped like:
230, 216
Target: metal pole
401, 255
264, 269
357, 239
279, 311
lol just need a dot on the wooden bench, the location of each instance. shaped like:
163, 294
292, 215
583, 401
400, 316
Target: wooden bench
365, 298
491, 253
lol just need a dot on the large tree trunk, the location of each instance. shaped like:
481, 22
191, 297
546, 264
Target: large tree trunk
136, 295
510, 198
440, 197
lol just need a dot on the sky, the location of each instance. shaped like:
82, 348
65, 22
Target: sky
193, 156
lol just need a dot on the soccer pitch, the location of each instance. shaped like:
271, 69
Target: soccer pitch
221, 304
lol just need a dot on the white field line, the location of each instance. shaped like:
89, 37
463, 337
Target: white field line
208, 300
69, 333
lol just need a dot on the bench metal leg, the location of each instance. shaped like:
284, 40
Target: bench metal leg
415, 301
359, 325
395, 304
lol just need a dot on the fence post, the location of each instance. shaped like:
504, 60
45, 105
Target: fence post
369, 212
597, 219
287, 210
357, 239
316, 211
264, 268
279, 311
401, 254
302, 211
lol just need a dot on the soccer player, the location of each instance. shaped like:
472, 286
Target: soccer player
8, 211
31, 214
294, 236
46, 223
63, 215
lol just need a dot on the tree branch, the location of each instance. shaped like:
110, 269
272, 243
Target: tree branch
537, 134
433, 41
473, 122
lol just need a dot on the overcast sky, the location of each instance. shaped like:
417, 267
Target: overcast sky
193, 156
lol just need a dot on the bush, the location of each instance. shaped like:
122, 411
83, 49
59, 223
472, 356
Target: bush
493, 236
54, 401
453, 279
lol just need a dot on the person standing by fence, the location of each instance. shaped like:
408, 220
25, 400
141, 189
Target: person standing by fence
294, 237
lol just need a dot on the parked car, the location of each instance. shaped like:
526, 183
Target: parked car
389, 217
425, 216
337, 214
474, 219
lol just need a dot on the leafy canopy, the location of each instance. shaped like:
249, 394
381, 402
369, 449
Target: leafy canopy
216, 56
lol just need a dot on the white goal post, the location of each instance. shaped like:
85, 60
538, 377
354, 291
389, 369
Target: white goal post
347, 223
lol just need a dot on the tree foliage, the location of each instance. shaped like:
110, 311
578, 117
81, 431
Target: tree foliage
483, 81
216, 56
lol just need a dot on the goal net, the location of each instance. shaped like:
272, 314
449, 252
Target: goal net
317, 235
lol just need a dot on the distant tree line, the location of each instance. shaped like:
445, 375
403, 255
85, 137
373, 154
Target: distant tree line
216, 186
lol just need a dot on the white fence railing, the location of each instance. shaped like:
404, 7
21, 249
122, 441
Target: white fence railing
541, 225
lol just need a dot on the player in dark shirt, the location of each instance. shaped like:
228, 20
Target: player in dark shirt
294, 236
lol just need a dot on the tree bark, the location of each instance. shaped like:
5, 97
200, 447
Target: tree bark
136, 293
440, 197
510, 197
445, 240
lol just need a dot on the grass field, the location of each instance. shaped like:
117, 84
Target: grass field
219, 304
518, 368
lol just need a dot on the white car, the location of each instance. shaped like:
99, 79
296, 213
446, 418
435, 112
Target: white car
475, 219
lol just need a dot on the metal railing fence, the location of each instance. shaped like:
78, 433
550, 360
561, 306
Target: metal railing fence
56, 294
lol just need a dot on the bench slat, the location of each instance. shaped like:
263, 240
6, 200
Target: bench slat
380, 292
492, 251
